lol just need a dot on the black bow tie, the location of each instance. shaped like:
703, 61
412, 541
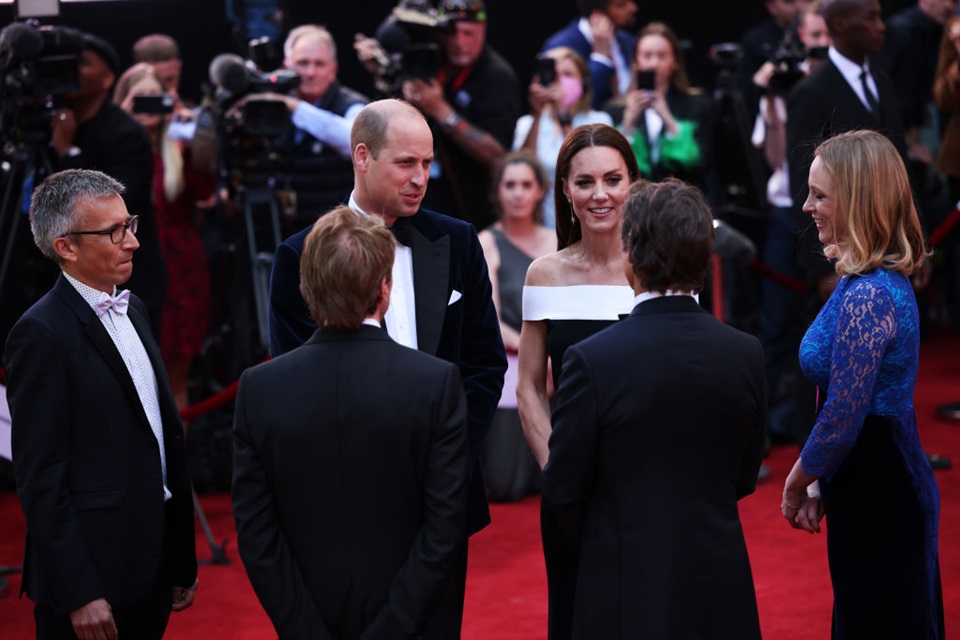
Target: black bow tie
402, 230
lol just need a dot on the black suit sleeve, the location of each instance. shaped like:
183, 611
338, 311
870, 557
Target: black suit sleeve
264, 549
289, 319
808, 123
41, 440
756, 441
569, 473
483, 360
425, 572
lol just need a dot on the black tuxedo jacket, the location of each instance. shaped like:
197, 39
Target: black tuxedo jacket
819, 107
87, 463
349, 491
658, 430
447, 258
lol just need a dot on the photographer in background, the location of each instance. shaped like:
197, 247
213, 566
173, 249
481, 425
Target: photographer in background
316, 147
760, 43
600, 36
783, 316
93, 133
472, 106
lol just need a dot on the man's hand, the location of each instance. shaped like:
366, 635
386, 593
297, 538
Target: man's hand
427, 95
602, 29
183, 597
371, 55
63, 127
94, 621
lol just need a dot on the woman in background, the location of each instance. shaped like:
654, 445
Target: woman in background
555, 111
509, 246
568, 296
862, 465
668, 122
176, 187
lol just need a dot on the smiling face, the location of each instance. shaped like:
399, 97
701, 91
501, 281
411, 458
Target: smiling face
519, 192
596, 187
93, 259
821, 202
393, 183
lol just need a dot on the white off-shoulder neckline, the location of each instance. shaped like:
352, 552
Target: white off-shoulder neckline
577, 302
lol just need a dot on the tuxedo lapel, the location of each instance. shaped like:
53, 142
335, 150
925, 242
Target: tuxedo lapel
431, 280
101, 340
168, 408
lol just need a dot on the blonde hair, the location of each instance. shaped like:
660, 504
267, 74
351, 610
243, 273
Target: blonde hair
874, 212
346, 257
170, 152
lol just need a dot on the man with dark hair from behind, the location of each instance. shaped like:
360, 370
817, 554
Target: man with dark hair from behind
373, 435
669, 563
601, 38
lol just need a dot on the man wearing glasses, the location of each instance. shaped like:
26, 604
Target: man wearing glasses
97, 441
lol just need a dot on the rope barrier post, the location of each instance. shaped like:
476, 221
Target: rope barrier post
717, 288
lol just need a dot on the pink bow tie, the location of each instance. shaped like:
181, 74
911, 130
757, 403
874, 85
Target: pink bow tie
117, 305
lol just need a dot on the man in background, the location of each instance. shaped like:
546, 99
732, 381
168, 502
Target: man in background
601, 38
472, 105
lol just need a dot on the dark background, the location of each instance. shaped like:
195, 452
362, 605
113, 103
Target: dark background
517, 28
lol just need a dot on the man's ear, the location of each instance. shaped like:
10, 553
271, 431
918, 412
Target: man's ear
361, 157
66, 249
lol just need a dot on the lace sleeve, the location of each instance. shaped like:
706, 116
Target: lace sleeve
865, 325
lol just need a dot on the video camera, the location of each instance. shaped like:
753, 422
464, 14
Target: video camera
410, 39
38, 65
787, 60
236, 78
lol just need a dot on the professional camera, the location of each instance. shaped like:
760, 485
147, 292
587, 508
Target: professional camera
38, 65
236, 78
787, 60
410, 40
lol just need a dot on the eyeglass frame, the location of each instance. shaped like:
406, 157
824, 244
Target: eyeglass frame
132, 221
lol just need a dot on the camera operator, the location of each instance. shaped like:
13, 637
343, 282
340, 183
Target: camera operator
472, 105
315, 149
162, 52
93, 133
760, 43
782, 317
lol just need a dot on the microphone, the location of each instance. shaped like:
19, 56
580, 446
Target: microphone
20, 41
229, 72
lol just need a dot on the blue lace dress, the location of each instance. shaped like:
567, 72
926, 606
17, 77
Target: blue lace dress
881, 499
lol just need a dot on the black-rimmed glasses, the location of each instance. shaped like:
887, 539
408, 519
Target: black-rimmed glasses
117, 232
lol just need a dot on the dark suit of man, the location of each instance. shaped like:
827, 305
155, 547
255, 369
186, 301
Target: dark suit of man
447, 263
603, 77
819, 107
88, 464
658, 430
350, 477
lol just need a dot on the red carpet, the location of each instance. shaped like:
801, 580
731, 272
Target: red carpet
506, 586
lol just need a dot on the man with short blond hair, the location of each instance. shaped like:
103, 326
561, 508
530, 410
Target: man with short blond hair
375, 434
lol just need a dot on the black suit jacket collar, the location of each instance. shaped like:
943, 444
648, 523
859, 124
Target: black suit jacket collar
364, 332
667, 304
97, 333
431, 277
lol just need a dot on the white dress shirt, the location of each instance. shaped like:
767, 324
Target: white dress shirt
401, 316
851, 71
128, 343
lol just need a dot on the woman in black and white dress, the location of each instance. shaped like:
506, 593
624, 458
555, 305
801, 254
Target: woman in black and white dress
568, 296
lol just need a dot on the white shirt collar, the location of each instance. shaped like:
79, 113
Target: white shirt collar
373, 322
847, 67
650, 295
90, 295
